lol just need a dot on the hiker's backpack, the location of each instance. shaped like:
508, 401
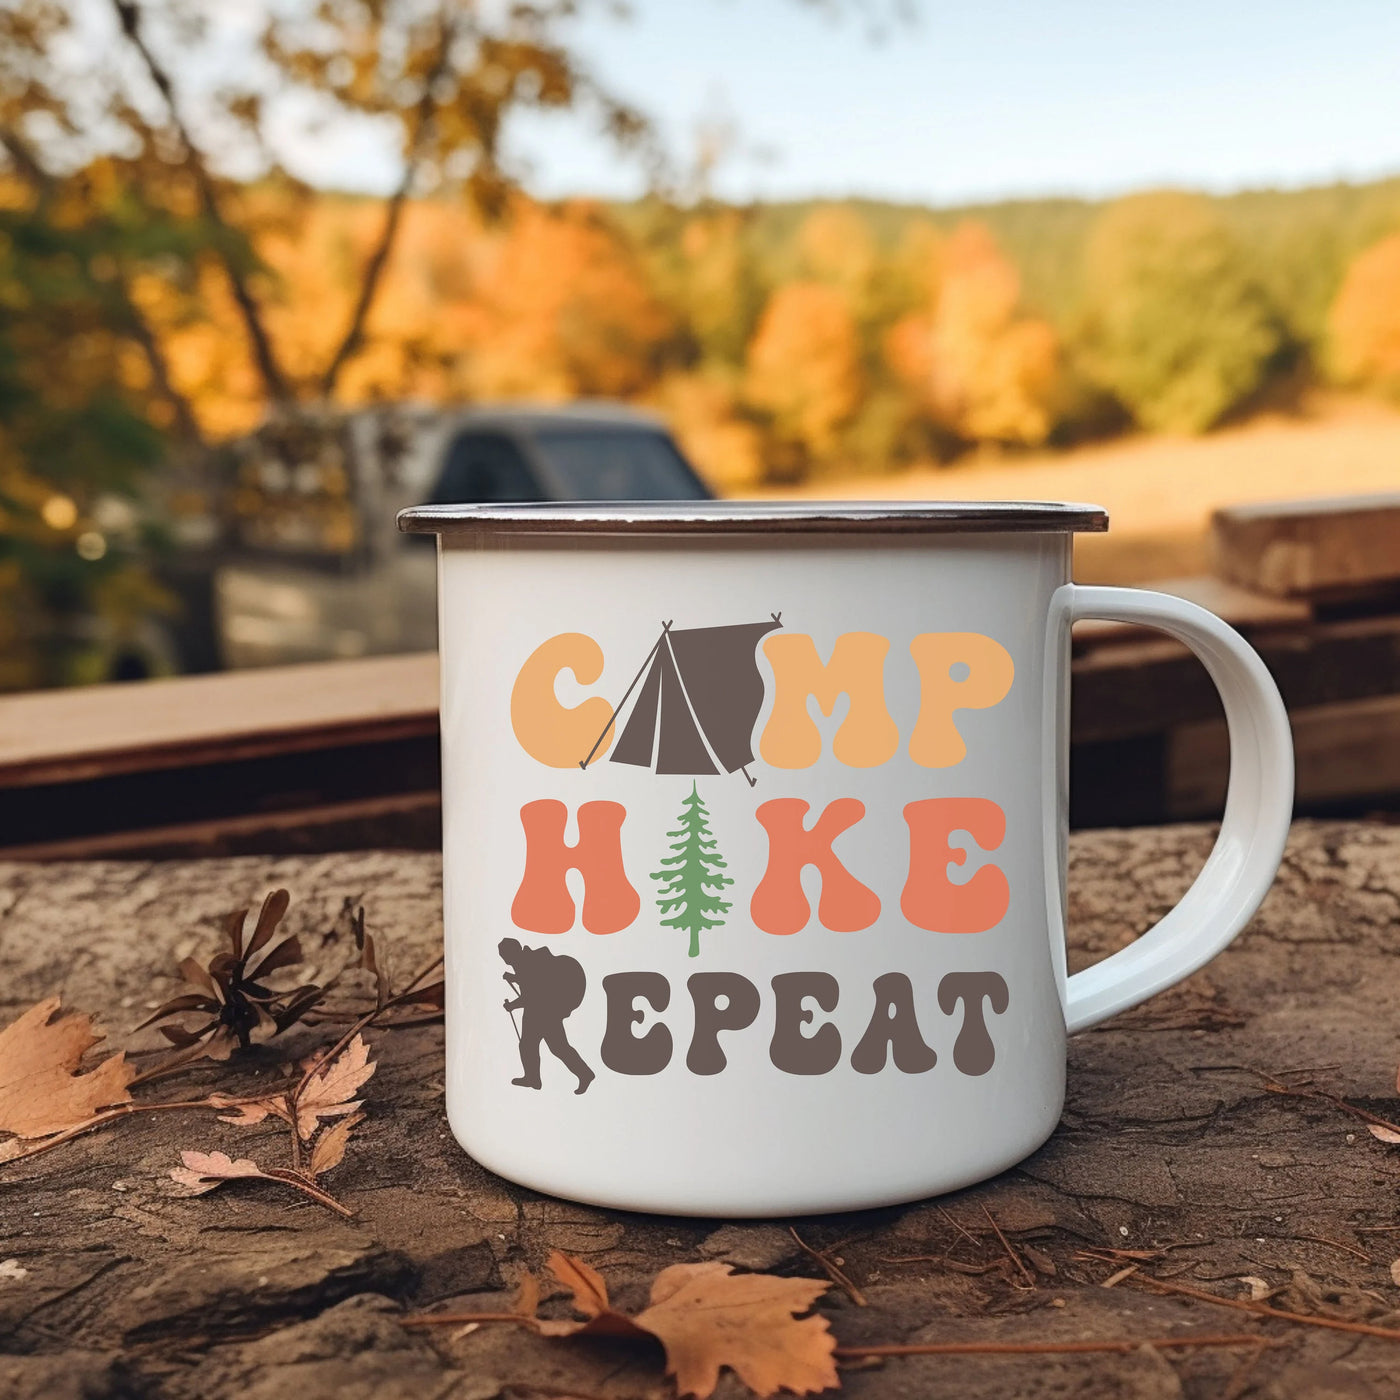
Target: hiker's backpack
566, 980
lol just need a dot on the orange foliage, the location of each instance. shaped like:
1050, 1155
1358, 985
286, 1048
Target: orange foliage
804, 364
563, 311
557, 302
980, 369
835, 245
704, 412
551, 305
1364, 322
205, 349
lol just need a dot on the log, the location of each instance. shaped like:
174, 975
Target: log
1317, 549
1171, 1146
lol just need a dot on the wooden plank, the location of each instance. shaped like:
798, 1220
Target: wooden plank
1345, 753
410, 820
1240, 607
1310, 549
1145, 687
96, 731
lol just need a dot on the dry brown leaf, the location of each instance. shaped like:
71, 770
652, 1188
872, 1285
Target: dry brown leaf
707, 1317
527, 1295
1395, 1272
203, 1171
330, 1092
234, 1005
329, 1151
583, 1281
41, 1090
248, 1113
1385, 1134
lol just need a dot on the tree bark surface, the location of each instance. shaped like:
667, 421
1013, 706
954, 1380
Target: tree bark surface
1171, 1144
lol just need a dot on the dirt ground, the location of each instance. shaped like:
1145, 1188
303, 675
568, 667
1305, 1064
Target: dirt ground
1171, 1145
1159, 491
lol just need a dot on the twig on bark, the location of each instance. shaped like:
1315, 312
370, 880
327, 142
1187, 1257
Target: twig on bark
944, 1262
1011, 1253
1105, 1255
300, 1182
112, 1115
1334, 1324
961, 1229
360, 1023
1126, 1344
454, 1319
1338, 1244
832, 1271
1274, 1085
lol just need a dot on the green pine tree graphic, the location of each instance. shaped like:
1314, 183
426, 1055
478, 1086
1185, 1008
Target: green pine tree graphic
692, 882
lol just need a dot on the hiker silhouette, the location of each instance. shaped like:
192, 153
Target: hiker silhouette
548, 988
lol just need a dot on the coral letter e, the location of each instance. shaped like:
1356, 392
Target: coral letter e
930, 899
549, 732
867, 737
543, 903
778, 904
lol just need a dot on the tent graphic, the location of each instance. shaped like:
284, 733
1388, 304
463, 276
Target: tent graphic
699, 699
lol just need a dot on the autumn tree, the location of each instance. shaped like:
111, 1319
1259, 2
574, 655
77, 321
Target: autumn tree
442, 77
835, 246
693, 878
1363, 324
804, 368
1177, 325
563, 310
980, 366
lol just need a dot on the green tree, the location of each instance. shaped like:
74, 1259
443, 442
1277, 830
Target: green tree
1178, 326
692, 882
80, 433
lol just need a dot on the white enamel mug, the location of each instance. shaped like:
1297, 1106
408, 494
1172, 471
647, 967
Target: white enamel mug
754, 843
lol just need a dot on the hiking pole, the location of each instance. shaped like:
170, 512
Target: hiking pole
515, 987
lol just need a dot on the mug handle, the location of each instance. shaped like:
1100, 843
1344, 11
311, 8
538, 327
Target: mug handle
1258, 805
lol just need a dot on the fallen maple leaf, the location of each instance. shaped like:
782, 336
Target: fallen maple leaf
41, 1090
583, 1281
248, 1113
707, 1317
329, 1093
329, 1150
203, 1171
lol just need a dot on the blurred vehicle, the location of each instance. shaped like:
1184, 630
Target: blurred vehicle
315, 566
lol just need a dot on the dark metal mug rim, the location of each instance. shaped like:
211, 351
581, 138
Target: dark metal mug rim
755, 518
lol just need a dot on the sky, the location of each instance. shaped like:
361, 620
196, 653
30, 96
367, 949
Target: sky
976, 99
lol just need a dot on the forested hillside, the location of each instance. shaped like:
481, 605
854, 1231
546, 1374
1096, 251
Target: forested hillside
791, 341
